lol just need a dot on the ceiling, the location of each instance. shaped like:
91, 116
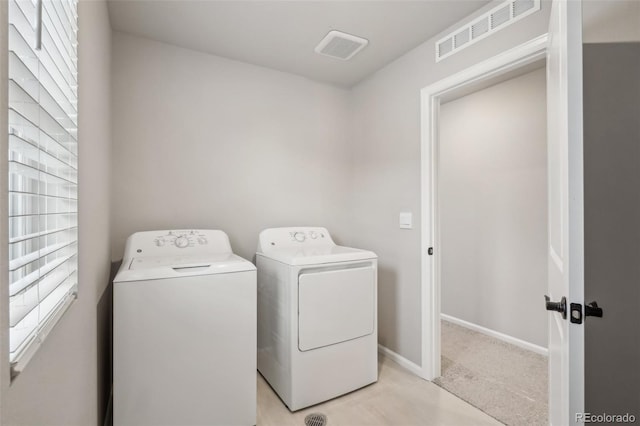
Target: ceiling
282, 35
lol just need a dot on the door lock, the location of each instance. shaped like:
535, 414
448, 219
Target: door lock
560, 306
590, 310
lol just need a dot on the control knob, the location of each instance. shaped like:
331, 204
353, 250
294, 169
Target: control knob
181, 242
313, 235
299, 237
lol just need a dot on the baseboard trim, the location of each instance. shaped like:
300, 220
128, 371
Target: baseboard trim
402, 361
500, 336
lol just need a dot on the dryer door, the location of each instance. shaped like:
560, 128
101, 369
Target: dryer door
335, 306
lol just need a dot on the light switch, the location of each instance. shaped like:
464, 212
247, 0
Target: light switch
406, 220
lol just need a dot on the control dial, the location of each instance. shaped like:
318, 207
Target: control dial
181, 242
299, 237
313, 235
160, 242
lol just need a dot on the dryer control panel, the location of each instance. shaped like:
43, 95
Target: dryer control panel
176, 242
303, 236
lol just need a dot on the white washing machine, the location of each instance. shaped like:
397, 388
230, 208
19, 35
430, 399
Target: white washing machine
184, 331
317, 315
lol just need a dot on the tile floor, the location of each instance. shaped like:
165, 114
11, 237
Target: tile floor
399, 398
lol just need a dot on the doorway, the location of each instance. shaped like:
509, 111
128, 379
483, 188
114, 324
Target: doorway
492, 209
515, 62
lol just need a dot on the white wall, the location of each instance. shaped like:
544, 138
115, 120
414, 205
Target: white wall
205, 142
58, 386
493, 207
386, 171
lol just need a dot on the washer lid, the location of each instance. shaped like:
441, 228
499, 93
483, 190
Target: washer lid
159, 267
318, 255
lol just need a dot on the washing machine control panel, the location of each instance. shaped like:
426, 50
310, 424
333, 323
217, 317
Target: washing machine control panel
181, 239
173, 242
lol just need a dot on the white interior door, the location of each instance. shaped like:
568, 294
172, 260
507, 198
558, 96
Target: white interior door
566, 230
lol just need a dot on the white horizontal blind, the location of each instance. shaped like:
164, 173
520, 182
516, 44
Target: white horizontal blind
43, 162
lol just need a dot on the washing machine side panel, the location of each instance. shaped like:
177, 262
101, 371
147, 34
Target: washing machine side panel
184, 351
274, 325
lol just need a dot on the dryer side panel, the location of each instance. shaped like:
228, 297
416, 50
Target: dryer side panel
335, 306
274, 325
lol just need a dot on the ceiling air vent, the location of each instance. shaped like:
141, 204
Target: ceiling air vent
341, 45
494, 20
479, 28
500, 16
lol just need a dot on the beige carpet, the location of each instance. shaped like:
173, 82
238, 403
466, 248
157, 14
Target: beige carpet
504, 381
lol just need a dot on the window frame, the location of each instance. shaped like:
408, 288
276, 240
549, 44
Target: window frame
58, 32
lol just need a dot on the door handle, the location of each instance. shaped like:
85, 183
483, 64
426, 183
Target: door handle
560, 306
592, 310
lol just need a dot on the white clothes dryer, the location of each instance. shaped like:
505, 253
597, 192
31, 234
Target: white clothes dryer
184, 331
317, 315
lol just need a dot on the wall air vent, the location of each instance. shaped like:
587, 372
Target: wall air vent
494, 20
340, 45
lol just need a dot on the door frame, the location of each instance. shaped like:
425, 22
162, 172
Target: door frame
510, 60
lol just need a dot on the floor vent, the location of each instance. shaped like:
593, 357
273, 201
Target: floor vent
494, 20
315, 419
341, 45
